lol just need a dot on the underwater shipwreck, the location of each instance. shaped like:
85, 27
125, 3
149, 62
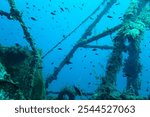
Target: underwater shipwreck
21, 67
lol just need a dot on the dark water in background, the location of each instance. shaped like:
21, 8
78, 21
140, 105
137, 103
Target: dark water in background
48, 29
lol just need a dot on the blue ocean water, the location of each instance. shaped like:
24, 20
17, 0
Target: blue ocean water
47, 29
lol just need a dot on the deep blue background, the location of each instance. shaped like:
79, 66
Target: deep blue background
49, 29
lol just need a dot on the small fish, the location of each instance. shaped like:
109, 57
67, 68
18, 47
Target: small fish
117, 3
59, 48
17, 44
53, 13
109, 16
70, 68
94, 49
77, 90
62, 9
68, 62
84, 56
34, 19
90, 73
82, 4
66, 9
96, 53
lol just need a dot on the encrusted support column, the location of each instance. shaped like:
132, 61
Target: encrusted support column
107, 90
135, 33
132, 30
132, 66
15, 14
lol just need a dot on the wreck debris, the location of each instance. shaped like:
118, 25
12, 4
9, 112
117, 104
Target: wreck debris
16, 15
14, 74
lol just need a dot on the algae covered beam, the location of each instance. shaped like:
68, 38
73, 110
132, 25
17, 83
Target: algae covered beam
80, 43
90, 28
83, 42
3, 13
105, 47
68, 35
88, 31
15, 14
62, 64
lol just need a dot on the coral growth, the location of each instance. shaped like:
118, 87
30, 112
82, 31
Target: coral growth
134, 29
15, 74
